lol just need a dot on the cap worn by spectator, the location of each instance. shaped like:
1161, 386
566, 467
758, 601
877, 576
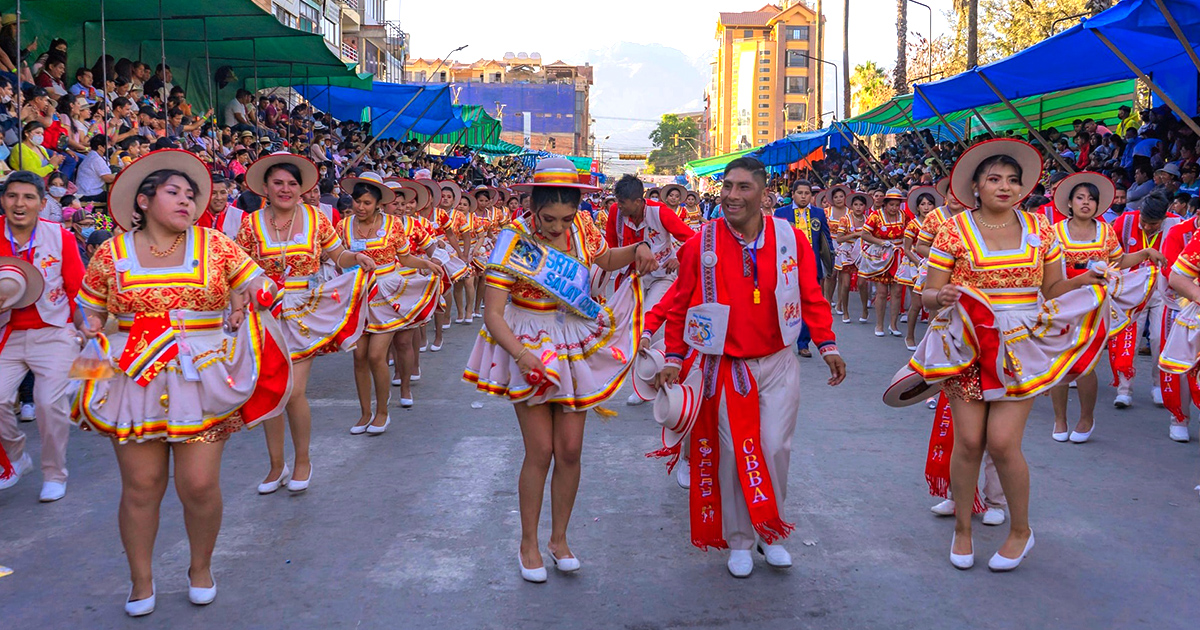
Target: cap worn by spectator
99, 237
1170, 168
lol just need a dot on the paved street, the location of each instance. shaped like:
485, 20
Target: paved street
418, 528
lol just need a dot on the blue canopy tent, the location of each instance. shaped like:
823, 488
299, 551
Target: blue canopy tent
798, 146
422, 109
1079, 57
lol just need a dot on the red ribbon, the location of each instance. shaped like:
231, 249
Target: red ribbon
1121, 349
937, 462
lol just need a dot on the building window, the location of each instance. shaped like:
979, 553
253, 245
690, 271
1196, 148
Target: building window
310, 18
797, 33
763, 105
285, 18
762, 132
766, 52
747, 33
796, 111
796, 59
796, 85
763, 97
764, 78
764, 87
496, 78
763, 114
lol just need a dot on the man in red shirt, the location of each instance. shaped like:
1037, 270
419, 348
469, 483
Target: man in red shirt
1138, 230
38, 337
745, 284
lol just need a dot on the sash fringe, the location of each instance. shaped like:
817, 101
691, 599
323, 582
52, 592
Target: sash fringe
774, 529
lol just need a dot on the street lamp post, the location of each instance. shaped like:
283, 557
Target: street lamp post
929, 41
835, 81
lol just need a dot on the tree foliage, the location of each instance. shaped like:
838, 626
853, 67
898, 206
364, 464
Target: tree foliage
900, 72
869, 87
675, 140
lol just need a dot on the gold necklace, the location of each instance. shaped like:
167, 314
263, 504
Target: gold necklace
154, 251
286, 226
992, 226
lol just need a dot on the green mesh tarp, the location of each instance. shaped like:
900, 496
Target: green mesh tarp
1056, 109
482, 130
716, 164
197, 35
500, 147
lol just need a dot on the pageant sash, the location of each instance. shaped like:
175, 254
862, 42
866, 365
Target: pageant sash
562, 276
937, 462
787, 281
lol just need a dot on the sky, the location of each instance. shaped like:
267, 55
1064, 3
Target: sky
640, 47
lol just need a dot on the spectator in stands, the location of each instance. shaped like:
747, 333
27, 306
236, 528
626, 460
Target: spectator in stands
121, 125
1179, 203
159, 87
141, 74
1118, 205
236, 116
51, 76
1187, 179
83, 85
94, 171
1127, 121
1143, 185
1166, 179
56, 189
37, 106
30, 155
94, 241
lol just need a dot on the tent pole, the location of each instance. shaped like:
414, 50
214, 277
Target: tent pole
376, 135
254, 53
104, 71
1070, 168
17, 91
945, 123
854, 145
1178, 32
870, 158
1187, 120
208, 75
913, 125
162, 40
983, 122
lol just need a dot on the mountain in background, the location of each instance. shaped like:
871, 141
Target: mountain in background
642, 82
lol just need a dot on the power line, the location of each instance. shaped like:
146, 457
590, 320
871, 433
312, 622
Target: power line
651, 120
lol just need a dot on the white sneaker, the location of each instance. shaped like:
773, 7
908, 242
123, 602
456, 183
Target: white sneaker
1179, 432
741, 563
776, 555
994, 516
634, 400
1156, 395
27, 412
20, 467
945, 508
683, 474
1122, 401
52, 491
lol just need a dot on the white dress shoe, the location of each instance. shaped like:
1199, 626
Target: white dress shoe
1122, 401
141, 606
374, 430
1156, 396
1179, 432
741, 563
268, 487
845, 319
837, 310
776, 555
446, 326
423, 348
634, 400
437, 347
880, 333
961, 561
28, 412
202, 596
999, 563
537, 576
359, 429
52, 491
945, 508
1061, 437
300, 486
415, 377
396, 382
1079, 437
904, 318
910, 347
566, 565
994, 516
407, 403
683, 474
895, 333
459, 320
20, 467
863, 320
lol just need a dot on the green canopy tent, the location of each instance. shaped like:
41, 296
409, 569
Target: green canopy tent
196, 37
482, 130
712, 165
500, 147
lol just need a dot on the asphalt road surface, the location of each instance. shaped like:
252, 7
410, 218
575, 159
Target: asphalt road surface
418, 528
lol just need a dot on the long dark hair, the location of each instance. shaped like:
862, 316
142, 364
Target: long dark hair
149, 187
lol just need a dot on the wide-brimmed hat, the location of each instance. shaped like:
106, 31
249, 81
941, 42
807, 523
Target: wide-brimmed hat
652, 191
29, 283
1062, 194
867, 201
122, 196
915, 194
662, 192
908, 388
646, 366
557, 173
943, 186
491, 192
369, 179
1019, 150
676, 408
452, 186
1170, 168
416, 188
503, 194
894, 193
256, 173
827, 194
402, 193
472, 203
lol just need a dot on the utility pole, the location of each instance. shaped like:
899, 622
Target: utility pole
972, 33
846, 61
820, 68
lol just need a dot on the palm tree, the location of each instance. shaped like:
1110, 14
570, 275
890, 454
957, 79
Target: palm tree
900, 77
869, 87
1095, 6
846, 60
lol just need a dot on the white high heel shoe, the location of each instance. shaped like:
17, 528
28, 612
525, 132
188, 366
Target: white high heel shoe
537, 576
962, 561
1078, 437
566, 565
300, 486
1000, 564
268, 487
415, 377
142, 606
374, 430
202, 596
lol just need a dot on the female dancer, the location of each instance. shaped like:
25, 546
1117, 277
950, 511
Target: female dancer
1086, 241
435, 215
189, 359
554, 354
400, 297
484, 236
924, 199
835, 210
287, 239
884, 231
461, 234
986, 271
849, 253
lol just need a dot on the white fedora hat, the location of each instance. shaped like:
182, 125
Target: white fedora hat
909, 388
22, 279
676, 409
646, 366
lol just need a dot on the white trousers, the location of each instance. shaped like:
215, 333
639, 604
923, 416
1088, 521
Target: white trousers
48, 353
1152, 316
778, 377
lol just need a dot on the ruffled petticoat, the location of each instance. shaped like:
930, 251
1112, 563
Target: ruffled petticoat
244, 378
401, 298
879, 263
586, 360
847, 255
1181, 350
325, 318
907, 271
980, 352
